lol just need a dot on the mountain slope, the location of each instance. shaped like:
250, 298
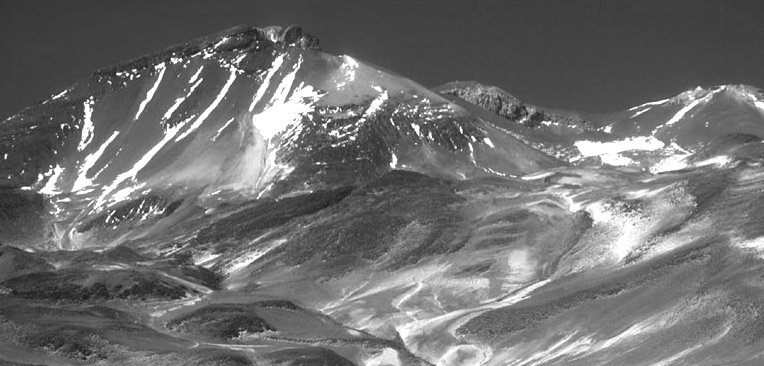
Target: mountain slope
247, 113
247, 199
655, 136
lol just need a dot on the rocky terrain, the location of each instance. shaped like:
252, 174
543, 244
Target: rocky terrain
248, 199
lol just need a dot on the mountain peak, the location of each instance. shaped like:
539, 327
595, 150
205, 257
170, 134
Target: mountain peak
740, 92
242, 38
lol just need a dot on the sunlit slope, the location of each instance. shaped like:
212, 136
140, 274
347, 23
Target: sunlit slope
247, 113
657, 136
247, 199
697, 116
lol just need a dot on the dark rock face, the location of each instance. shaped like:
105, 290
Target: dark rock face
505, 105
227, 321
296, 35
491, 98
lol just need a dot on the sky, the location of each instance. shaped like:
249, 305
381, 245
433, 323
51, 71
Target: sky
585, 55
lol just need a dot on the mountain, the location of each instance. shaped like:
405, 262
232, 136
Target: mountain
656, 136
193, 125
248, 199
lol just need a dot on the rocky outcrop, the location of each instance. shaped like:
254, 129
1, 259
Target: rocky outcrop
503, 104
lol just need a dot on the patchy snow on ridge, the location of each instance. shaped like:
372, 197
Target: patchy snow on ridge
683, 111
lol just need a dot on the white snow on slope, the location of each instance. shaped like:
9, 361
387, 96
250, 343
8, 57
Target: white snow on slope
649, 104
267, 81
87, 125
169, 134
683, 111
348, 68
245, 259
90, 160
180, 100
594, 148
221, 129
374, 107
640, 112
756, 102
278, 117
51, 186
282, 91
150, 93
610, 152
759, 104
393, 161
196, 75
202, 117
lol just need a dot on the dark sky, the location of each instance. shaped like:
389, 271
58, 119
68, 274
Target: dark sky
584, 55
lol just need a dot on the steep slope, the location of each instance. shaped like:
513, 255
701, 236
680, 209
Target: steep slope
247, 199
666, 134
243, 114
656, 136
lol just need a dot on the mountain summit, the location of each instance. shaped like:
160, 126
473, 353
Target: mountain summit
249, 199
246, 113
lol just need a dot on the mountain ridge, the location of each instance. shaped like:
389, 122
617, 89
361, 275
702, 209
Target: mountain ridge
260, 201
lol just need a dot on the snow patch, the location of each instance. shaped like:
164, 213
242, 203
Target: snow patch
416, 129
220, 42
196, 75
388, 357
649, 104
595, 148
640, 112
683, 111
87, 125
536, 176
375, 105
285, 112
348, 68
150, 93
719, 161
59, 95
393, 161
244, 260
50, 187
180, 101
169, 134
82, 180
275, 66
208, 111
220, 131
